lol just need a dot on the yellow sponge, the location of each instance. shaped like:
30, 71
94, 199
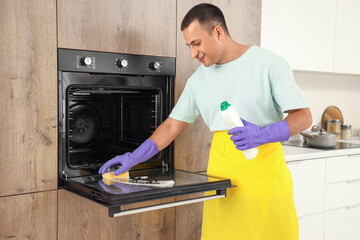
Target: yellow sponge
108, 181
110, 175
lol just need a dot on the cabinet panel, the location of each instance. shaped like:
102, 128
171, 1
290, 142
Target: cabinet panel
28, 96
143, 27
301, 31
343, 223
79, 218
29, 216
342, 194
311, 227
347, 38
309, 185
339, 169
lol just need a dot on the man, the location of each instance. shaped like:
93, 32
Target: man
260, 85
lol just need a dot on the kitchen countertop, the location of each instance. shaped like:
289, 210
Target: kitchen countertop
299, 153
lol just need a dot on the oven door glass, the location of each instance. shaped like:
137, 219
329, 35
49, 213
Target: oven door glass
114, 194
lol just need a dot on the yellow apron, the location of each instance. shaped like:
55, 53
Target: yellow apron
261, 207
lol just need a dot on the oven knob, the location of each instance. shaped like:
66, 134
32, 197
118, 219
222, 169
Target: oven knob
85, 61
155, 65
122, 63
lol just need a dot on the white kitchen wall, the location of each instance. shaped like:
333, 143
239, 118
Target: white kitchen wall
326, 89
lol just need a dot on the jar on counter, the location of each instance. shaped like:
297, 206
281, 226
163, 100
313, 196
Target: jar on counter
346, 131
334, 126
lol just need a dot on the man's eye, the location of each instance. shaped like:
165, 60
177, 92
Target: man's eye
197, 44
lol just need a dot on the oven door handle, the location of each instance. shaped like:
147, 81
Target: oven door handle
220, 194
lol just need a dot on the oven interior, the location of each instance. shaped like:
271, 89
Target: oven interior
104, 122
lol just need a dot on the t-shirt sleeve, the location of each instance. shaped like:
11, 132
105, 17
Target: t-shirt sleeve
186, 108
286, 93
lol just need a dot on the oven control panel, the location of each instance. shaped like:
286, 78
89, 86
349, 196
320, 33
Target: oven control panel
105, 62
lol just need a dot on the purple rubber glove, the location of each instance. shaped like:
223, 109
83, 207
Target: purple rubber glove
145, 151
252, 135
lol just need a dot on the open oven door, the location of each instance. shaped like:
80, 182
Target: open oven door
114, 195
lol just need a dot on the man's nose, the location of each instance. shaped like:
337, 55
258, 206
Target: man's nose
194, 53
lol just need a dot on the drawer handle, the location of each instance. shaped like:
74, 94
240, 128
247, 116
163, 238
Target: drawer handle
353, 181
295, 162
353, 206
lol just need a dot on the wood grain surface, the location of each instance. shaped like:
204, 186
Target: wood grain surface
29, 216
28, 96
81, 219
136, 26
331, 112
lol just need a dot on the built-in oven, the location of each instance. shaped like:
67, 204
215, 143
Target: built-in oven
109, 103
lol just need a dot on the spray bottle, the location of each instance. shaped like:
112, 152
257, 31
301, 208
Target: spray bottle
232, 119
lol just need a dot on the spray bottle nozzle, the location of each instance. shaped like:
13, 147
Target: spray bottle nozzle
224, 105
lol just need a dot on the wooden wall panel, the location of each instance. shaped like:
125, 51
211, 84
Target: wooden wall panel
29, 216
80, 218
136, 26
28, 96
193, 144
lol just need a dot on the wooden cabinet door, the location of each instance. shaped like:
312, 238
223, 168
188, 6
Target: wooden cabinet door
301, 31
80, 218
28, 216
193, 144
28, 96
136, 26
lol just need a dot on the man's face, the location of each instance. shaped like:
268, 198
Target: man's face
203, 45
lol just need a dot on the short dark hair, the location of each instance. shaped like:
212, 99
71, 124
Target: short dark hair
208, 16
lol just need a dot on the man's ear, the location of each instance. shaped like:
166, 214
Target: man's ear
219, 32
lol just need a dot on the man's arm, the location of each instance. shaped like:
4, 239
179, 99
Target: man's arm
167, 132
298, 120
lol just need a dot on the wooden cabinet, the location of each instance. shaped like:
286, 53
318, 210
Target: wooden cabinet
29, 216
28, 96
137, 26
79, 218
301, 31
347, 37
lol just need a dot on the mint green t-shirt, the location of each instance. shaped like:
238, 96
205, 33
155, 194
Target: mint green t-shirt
259, 84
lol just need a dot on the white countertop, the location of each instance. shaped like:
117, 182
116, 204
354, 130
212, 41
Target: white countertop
299, 153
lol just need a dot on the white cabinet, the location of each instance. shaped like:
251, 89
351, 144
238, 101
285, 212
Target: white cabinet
347, 38
342, 194
327, 197
311, 227
343, 223
308, 181
320, 35
301, 31
309, 190
342, 198
339, 169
